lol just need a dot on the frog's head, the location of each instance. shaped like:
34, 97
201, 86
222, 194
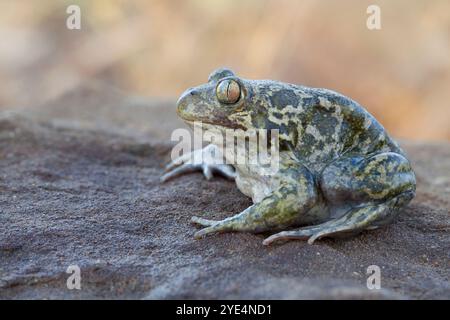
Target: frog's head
217, 102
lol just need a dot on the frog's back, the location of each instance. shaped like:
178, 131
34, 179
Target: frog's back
323, 125
336, 125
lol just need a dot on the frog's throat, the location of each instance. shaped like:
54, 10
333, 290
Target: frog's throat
219, 133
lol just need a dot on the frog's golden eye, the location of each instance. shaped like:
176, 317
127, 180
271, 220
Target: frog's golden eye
228, 91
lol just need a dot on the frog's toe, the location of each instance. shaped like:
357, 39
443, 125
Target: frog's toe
202, 221
208, 170
203, 232
225, 225
309, 233
185, 158
224, 170
177, 171
287, 235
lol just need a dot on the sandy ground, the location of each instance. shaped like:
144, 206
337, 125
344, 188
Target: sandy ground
79, 181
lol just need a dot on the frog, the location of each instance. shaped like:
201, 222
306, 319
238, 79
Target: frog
340, 173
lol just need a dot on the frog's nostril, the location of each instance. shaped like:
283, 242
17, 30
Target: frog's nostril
192, 92
185, 95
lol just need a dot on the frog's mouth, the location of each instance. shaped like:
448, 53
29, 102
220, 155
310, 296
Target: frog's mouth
208, 125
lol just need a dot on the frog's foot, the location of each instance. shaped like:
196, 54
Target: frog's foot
209, 160
249, 220
305, 233
354, 221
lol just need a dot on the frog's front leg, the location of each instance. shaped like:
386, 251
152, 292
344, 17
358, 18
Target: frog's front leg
286, 206
209, 160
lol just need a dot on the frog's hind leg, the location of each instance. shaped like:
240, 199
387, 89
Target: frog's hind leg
375, 188
354, 221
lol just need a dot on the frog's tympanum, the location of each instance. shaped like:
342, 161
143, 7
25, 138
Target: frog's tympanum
339, 171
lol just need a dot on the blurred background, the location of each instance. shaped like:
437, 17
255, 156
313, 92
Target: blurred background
400, 73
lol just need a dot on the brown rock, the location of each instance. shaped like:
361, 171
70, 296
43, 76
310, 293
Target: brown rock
79, 181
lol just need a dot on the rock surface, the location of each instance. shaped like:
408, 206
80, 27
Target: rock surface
79, 181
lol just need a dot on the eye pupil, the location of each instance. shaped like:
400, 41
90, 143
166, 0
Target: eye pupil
228, 91
233, 92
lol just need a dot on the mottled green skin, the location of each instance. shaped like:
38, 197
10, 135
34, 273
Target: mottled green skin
339, 169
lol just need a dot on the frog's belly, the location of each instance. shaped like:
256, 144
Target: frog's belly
254, 186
